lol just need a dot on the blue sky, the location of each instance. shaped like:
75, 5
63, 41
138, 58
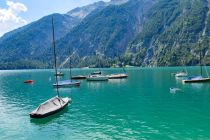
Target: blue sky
16, 13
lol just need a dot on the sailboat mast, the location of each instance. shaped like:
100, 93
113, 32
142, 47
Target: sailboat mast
120, 60
70, 62
56, 76
201, 70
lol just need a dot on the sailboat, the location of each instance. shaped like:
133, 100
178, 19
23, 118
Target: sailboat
181, 74
119, 75
199, 78
78, 77
59, 73
67, 83
97, 76
55, 104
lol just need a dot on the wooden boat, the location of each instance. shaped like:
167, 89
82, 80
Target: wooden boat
66, 83
181, 74
117, 76
97, 78
79, 77
29, 81
50, 107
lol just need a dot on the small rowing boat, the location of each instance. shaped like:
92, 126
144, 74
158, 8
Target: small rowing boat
29, 81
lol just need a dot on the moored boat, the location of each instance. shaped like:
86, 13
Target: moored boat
55, 104
29, 81
200, 78
181, 74
78, 77
50, 107
97, 78
117, 76
66, 83
59, 74
196, 79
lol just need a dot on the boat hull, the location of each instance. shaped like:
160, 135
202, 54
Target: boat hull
96, 73
47, 114
197, 81
29, 81
66, 84
97, 78
34, 115
181, 75
59, 74
78, 77
117, 76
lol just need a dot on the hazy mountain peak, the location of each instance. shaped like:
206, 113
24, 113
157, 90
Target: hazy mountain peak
118, 2
82, 12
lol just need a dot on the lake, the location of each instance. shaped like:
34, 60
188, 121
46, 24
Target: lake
139, 107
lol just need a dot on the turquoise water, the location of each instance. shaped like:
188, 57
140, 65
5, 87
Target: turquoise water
140, 107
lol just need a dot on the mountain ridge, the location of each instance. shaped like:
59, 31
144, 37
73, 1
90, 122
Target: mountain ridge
135, 32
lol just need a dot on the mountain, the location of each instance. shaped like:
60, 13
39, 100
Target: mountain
82, 12
171, 34
105, 33
29, 46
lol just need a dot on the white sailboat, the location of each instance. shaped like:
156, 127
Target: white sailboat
117, 76
199, 78
67, 83
55, 104
59, 73
184, 72
181, 74
97, 78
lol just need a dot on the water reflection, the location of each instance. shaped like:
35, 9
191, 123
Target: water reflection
117, 81
195, 85
96, 84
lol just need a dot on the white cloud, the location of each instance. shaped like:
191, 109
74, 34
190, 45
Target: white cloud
9, 17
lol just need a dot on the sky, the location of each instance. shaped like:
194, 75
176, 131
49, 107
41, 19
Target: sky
17, 13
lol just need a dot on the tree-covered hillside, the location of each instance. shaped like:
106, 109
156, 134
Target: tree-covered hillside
106, 33
171, 34
26, 47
